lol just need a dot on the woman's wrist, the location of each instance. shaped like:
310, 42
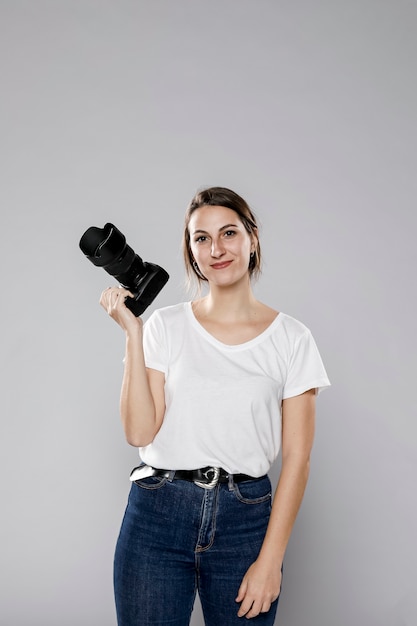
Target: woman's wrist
134, 331
271, 554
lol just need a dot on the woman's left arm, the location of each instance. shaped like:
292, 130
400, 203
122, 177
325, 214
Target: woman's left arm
261, 584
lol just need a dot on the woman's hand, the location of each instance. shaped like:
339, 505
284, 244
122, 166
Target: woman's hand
260, 587
113, 301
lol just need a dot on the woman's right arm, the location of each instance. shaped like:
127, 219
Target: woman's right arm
142, 400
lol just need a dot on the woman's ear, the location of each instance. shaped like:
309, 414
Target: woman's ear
254, 242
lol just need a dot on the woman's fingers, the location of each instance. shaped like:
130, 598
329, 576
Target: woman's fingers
112, 300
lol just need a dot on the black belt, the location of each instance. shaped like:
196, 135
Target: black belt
206, 477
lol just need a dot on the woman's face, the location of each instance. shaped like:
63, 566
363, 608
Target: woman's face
220, 244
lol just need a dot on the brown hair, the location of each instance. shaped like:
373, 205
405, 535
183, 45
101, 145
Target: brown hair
221, 196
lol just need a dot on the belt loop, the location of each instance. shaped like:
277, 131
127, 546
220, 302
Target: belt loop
171, 475
231, 482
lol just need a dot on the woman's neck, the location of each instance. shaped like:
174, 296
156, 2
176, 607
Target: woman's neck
228, 304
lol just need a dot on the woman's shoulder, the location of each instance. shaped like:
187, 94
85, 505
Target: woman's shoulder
288, 329
283, 320
293, 324
168, 314
265, 311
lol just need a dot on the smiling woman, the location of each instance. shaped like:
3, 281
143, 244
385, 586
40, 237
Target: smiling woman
212, 390
241, 216
217, 244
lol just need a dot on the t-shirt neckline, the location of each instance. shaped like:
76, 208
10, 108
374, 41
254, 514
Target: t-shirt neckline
240, 346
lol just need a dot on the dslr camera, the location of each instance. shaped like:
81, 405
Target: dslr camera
107, 248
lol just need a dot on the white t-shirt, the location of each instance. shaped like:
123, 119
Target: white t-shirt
223, 403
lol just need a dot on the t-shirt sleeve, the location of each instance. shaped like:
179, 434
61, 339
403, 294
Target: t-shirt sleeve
306, 370
154, 343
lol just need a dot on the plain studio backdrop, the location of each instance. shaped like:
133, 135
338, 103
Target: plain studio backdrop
120, 111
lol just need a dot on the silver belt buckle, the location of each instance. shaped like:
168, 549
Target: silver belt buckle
212, 481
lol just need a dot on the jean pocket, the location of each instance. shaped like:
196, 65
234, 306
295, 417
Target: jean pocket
254, 491
151, 482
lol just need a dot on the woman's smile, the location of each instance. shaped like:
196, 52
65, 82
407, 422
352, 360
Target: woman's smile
221, 265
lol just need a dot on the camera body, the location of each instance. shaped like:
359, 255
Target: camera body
107, 248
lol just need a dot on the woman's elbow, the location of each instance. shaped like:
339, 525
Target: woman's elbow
139, 440
299, 463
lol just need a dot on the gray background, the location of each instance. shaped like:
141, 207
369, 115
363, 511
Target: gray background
119, 111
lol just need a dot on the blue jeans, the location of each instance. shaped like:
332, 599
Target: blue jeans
178, 538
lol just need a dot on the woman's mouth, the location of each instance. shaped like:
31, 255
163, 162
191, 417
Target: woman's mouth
221, 265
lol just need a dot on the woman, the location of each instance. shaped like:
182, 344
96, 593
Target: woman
212, 389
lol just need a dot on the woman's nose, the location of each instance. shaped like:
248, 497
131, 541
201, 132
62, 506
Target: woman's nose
217, 248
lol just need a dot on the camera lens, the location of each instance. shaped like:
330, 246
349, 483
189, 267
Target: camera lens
102, 245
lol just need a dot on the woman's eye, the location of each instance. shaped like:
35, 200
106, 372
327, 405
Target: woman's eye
230, 233
201, 239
